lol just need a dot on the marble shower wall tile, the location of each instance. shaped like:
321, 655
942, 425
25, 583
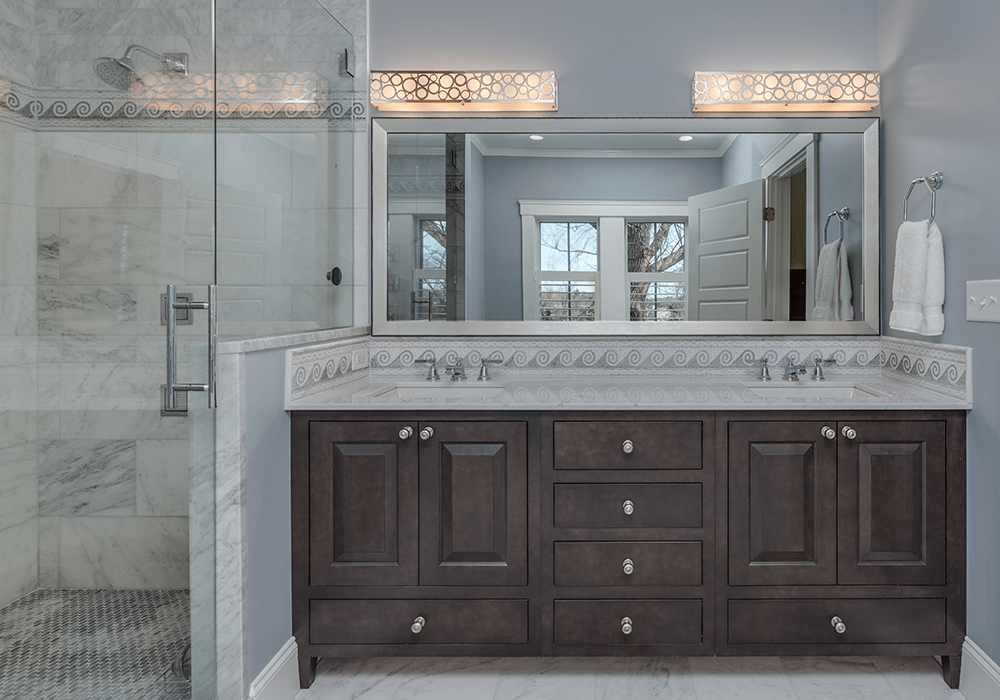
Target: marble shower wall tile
88, 310
18, 479
87, 170
162, 477
19, 553
48, 552
123, 552
18, 263
86, 477
17, 153
18, 313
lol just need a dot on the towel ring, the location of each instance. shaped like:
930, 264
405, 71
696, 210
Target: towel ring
842, 215
933, 183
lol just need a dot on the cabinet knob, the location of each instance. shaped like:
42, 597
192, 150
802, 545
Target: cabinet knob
418, 624
426, 433
628, 507
628, 567
838, 625
828, 432
627, 447
405, 433
626, 625
849, 432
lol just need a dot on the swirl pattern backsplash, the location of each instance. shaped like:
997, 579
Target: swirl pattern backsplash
930, 366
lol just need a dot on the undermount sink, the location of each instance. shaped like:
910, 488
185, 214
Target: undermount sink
809, 391
444, 390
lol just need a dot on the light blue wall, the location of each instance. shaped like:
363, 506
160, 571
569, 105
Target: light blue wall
511, 178
939, 113
741, 162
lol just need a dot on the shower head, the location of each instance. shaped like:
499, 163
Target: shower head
120, 73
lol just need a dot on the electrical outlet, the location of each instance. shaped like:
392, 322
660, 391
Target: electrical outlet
982, 301
360, 359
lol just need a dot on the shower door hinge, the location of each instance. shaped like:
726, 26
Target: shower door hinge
768, 213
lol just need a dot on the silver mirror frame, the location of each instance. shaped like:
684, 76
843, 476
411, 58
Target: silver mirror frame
870, 289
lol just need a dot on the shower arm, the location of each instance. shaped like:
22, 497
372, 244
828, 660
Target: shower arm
168, 62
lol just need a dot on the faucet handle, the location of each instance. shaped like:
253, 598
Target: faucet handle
765, 375
432, 371
484, 370
818, 372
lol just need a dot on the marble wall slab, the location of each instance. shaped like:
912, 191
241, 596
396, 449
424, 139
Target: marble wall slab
19, 554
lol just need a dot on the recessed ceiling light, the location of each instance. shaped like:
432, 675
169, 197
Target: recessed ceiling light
685, 137
536, 137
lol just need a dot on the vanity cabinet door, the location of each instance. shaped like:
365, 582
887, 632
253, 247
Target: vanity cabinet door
892, 502
362, 504
782, 503
474, 504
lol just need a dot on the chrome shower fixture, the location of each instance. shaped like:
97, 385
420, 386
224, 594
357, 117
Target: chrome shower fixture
120, 73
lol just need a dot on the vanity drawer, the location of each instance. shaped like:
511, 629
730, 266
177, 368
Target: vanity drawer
445, 621
651, 445
883, 620
602, 563
604, 505
600, 622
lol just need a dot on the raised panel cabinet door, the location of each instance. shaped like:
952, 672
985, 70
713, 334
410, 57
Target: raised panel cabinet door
782, 503
362, 504
892, 483
474, 504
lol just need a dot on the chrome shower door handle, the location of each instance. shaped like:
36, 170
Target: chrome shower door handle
170, 389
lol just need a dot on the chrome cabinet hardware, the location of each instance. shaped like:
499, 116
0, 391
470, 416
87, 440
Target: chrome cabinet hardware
849, 432
628, 567
418, 625
171, 405
838, 625
628, 507
627, 447
626, 625
828, 432
484, 370
426, 433
432, 371
405, 433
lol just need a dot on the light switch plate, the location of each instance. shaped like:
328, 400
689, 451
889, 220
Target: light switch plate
982, 301
360, 359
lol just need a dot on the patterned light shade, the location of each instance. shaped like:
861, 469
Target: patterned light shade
792, 91
461, 91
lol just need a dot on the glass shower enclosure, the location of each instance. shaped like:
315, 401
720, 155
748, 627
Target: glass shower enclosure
203, 145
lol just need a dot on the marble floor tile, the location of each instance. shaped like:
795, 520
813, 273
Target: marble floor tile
812, 678
746, 678
356, 679
448, 679
916, 678
557, 678
661, 678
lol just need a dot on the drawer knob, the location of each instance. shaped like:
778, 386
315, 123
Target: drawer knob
849, 432
627, 447
626, 625
405, 433
418, 624
628, 567
838, 625
628, 508
828, 432
426, 433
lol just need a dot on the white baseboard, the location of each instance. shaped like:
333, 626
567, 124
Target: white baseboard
980, 674
280, 678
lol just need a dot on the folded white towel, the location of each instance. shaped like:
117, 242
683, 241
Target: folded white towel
918, 279
832, 296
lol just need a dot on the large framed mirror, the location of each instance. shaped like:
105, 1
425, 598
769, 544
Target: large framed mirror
606, 227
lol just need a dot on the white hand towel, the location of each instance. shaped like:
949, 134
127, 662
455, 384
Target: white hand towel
933, 312
909, 277
827, 288
845, 311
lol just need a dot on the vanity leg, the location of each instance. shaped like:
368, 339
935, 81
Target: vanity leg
307, 670
951, 666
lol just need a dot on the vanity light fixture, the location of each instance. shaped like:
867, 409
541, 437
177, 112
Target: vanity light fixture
462, 91
789, 91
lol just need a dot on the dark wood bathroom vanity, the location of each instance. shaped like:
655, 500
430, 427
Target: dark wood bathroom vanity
526, 533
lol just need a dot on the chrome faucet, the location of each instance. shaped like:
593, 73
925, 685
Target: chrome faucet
484, 371
792, 371
765, 375
432, 371
818, 369
457, 371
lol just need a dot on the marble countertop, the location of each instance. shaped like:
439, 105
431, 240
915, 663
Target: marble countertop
629, 392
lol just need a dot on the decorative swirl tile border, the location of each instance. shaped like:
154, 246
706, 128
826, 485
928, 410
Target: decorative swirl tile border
55, 107
940, 368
